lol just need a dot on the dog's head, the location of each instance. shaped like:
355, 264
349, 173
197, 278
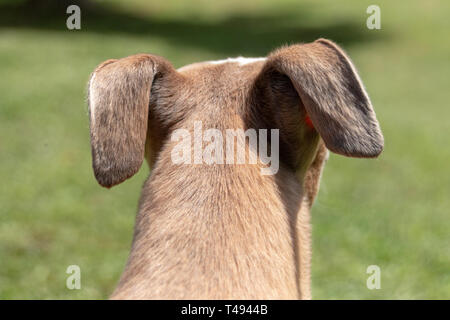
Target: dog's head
307, 91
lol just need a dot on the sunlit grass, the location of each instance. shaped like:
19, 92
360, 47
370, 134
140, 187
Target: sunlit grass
392, 212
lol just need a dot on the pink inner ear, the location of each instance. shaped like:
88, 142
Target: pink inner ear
309, 122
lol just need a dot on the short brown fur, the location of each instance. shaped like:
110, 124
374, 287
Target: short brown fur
225, 231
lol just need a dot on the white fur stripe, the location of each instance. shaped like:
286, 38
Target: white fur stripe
241, 60
92, 99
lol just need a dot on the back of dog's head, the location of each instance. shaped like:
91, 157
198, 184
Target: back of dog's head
307, 91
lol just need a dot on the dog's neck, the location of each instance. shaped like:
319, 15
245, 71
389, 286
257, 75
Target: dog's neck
199, 226
202, 227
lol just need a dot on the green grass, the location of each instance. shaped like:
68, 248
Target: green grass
392, 212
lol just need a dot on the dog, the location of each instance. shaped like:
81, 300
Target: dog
220, 230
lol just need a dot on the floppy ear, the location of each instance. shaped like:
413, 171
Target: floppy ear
119, 97
333, 95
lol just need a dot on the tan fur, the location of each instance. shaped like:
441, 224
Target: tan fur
225, 231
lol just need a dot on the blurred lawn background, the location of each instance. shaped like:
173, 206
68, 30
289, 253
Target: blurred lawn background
392, 212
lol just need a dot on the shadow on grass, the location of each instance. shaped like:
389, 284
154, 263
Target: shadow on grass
237, 35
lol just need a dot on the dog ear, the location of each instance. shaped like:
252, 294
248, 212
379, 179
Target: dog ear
333, 95
119, 98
